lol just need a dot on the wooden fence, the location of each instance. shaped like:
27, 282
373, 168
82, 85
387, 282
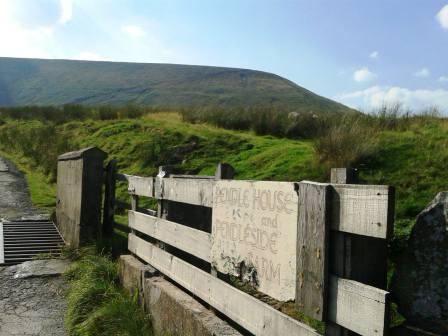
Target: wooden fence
340, 234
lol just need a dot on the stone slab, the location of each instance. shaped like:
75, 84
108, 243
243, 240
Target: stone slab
254, 234
40, 268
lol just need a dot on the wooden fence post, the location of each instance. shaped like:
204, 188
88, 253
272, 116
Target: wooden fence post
162, 206
312, 248
356, 257
340, 245
109, 198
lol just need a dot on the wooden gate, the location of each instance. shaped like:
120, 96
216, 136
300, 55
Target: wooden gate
322, 245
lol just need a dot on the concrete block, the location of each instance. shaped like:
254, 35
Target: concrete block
130, 271
174, 312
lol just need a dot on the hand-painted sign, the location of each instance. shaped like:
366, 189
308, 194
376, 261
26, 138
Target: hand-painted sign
254, 231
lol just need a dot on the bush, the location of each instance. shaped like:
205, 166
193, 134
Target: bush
347, 143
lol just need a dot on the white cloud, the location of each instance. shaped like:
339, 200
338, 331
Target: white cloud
423, 72
374, 54
66, 11
133, 31
88, 56
443, 79
363, 75
442, 17
18, 40
376, 96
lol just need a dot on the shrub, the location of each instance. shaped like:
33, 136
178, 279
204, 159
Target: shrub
346, 143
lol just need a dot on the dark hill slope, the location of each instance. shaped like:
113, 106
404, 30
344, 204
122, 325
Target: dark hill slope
57, 82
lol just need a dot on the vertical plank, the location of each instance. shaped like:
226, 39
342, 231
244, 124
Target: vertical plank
359, 258
224, 171
312, 249
344, 176
134, 202
162, 206
340, 245
109, 198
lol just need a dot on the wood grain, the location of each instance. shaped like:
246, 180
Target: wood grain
362, 209
190, 240
247, 311
312, 249
358, 307
185, 190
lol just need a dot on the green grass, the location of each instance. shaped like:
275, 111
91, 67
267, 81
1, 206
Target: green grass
97, 304
412, 160
42, 191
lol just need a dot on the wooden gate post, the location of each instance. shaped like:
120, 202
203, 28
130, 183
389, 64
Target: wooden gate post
79, 192
340, 245
356, 257
109, 198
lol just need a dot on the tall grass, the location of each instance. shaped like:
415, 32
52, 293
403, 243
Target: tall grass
96, 303
346, 143
70, 112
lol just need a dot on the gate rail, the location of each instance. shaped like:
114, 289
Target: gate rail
356, 221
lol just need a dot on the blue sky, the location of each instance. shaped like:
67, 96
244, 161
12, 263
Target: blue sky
362, 53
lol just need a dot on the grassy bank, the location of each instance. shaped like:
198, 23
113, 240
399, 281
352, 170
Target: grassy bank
42, 190
97, 304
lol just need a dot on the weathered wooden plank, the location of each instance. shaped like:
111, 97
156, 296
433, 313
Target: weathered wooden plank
344, 175
190, 240
340, 245
356, 209
358, 307
141, 186
184, 190
2, 251
109, 198
312, 249
134, 202
362, 209
252, 314
137, 185
254, 230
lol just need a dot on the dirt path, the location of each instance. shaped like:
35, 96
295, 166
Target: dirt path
15, 201
32, 303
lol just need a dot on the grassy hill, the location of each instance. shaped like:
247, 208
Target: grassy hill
411, 157
58, 82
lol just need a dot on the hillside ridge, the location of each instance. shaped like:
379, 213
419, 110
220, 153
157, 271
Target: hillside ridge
28, 81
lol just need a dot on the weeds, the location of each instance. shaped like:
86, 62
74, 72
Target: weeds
96, 303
